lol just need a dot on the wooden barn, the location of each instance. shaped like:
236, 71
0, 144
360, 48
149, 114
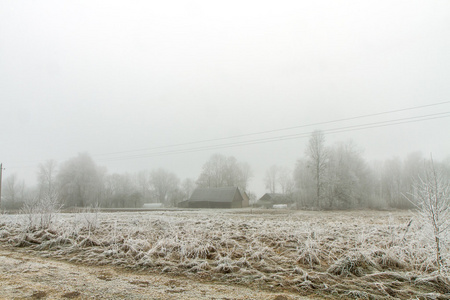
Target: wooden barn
271, 199
223, 197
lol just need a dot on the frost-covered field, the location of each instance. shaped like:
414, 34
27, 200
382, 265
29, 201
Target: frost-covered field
333, 254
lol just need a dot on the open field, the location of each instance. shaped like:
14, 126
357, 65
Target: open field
360, 254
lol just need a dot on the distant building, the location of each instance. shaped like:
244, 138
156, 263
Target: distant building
223, 197
274, 200
153, 205
280, 206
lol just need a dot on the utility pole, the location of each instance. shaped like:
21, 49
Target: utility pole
1, 171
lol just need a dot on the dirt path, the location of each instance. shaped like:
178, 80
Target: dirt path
24, 276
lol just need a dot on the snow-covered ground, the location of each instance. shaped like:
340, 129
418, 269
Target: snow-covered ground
358, 254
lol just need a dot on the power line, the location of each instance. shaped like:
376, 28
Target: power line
275, 130
276, 138
285, 137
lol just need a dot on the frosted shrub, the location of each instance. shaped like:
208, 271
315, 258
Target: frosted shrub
309, 253
88, 218
40, 213
432, 199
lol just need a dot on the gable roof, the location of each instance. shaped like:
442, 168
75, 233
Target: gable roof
275, 198
222, 194
272, 196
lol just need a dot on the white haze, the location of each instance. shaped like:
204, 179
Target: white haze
112, 76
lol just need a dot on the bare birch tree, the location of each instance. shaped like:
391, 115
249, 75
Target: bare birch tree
432, 197
304, 184
318, 158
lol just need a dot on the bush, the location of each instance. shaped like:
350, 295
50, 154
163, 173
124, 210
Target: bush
40, 213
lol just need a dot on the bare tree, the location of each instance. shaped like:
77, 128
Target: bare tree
46, 178
41, 212
346, 177
221, 171
279, 177
164, 183
135, 199
14, 192
318, 159
213, 172
286, 181
433, 201
245, 173
304, 184
271, 178
411, 169
143, 183
121, 191
80, 181
11, 188
392, 181
187, 186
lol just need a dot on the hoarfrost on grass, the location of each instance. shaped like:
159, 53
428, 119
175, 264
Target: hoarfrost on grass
346, 254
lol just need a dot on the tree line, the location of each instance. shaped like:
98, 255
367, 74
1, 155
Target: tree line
338, 177
80, 182
325, 177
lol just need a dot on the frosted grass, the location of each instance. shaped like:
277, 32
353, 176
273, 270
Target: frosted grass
348, 254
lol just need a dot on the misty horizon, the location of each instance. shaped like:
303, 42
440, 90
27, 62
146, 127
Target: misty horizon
143, 86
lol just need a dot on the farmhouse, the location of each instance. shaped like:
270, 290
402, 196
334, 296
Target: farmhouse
269, 200
224, 197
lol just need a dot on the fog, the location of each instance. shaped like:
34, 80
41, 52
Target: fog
144, 85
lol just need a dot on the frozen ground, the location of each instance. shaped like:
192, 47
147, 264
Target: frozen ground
24, 276
212, 254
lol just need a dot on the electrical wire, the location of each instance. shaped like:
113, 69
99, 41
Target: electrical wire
159, 151
285, 137
274, 130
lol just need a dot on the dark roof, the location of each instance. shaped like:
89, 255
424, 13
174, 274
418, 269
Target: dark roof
275, 198
272, 196
222, 194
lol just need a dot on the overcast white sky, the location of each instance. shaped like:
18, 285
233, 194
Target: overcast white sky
112, 76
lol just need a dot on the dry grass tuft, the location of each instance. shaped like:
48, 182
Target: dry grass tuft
437, 284
356, 264
4, 233
309, 254
388, 260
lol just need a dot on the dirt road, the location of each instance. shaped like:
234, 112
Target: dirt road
25, 276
